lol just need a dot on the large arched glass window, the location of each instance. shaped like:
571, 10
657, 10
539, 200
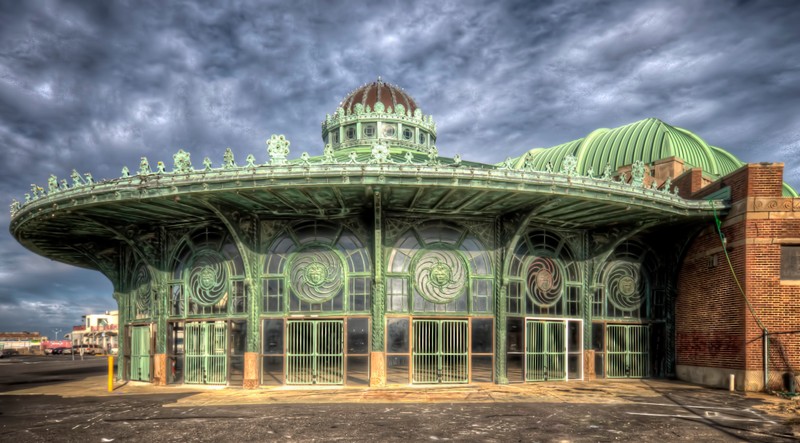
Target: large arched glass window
622, 286
544, 277
438, 267
316, 267
207, 276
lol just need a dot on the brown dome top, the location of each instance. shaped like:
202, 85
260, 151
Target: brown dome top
388, 94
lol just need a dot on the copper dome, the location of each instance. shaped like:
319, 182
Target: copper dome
371, 93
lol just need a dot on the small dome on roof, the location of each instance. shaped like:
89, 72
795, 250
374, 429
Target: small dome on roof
379, 91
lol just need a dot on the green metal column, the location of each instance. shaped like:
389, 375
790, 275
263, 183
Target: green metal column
120, 299
160, 277
378, 290
501, 291
586, 291
162, 309
253, 291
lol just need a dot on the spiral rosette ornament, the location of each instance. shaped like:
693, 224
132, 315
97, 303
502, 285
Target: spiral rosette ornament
625, 286
141, 287
208, 278
544, 281
316, 276
440, 276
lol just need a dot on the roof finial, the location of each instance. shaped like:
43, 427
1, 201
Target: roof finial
379, 79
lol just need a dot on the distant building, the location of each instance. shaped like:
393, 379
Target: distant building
637, 251
100, 330
28, 341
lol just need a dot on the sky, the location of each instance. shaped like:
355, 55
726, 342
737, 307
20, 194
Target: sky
95, 85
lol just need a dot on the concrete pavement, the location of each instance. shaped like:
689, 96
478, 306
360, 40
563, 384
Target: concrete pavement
594, 392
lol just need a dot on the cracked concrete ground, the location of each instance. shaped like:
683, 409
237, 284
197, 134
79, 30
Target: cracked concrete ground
61, 400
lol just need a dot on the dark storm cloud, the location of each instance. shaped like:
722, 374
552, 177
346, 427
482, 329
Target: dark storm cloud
96, 85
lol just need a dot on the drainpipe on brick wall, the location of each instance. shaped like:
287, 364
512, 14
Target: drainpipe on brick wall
765, 345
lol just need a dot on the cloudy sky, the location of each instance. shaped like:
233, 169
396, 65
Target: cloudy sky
94, 85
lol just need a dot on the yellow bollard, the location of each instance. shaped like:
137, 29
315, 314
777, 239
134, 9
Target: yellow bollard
110, 373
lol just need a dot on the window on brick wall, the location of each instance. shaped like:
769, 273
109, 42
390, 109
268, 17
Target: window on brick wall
790, 262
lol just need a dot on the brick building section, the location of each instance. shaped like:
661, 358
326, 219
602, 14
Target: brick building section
716, 335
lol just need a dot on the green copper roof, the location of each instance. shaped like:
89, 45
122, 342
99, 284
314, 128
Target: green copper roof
647, 140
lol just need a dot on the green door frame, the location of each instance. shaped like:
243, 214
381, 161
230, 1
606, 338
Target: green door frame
627, 351
315, 352
440, 351
140, 353
206, 352
545, 350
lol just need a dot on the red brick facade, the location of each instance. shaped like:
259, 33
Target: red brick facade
714, 327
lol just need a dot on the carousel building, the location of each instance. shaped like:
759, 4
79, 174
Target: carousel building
639, 251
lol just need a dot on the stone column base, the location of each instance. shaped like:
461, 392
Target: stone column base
160, 369
377, 369
588, 365
251, 366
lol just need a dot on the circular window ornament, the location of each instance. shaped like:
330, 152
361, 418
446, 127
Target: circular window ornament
316, 276
625, 286
544, 281
408, 134
207, 282
422, 138
440, 276
351, 133
388, 131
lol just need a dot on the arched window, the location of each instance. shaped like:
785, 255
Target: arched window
316, 267
141, 295
438, 267
622, 286
544, 277
207, 276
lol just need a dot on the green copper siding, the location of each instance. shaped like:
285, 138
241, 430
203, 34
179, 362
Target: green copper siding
788, 191
648, 140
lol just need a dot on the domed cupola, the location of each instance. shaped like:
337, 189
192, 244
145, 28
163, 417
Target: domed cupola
379, 112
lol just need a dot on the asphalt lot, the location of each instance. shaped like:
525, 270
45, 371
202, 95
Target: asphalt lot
25, 371
598, 411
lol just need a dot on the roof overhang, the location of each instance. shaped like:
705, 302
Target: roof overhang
99, 214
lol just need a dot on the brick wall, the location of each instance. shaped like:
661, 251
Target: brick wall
777, 303
689, 182
714, 327
709, 311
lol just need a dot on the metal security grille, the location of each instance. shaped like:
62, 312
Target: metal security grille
315, 352
206, 356
140, 353
545, 350
441, 351
627, 351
